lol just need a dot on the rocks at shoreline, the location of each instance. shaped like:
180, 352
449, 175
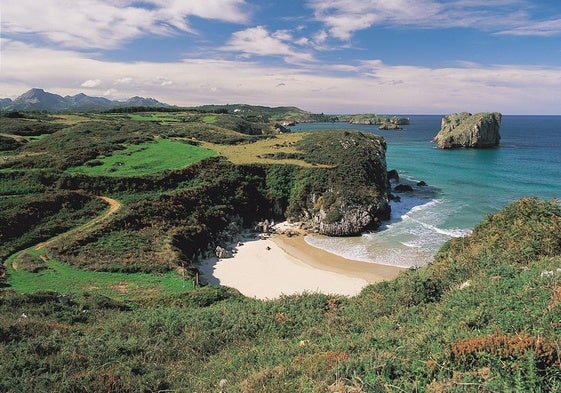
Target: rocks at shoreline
353, 219
222, 253
464, 130
390, 126
403, 188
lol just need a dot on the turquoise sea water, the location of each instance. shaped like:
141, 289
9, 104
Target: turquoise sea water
463, 185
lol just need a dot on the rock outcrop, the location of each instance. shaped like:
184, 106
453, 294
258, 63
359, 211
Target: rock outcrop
390, 126
464, 130
348, 190
223, 253
353, 218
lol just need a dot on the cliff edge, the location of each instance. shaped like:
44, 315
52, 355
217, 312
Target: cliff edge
347, 191
464, 130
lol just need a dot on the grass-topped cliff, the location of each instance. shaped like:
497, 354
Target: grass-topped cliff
187, 181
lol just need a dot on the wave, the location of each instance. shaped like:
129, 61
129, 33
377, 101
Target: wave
452, 232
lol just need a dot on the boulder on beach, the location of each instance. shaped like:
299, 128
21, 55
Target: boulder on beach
464, 130
222, 253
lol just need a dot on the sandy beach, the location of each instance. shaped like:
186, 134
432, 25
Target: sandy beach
283, 265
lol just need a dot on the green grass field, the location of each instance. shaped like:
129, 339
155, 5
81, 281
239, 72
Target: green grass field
147, 158
209, 119
156, 117
36, 137
67, 279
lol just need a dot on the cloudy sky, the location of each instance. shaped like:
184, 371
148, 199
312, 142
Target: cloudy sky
331, 56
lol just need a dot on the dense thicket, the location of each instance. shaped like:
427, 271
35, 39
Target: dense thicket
7, 143
170, 227
493, 325
27, 220
28, 125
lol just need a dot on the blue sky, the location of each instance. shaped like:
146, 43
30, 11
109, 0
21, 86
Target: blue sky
331, 56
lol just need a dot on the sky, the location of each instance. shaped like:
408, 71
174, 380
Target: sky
324, 56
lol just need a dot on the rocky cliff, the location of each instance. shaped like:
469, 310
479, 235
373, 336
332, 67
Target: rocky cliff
464, 130
347, 192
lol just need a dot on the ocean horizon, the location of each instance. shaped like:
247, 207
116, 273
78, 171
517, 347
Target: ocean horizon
463, 186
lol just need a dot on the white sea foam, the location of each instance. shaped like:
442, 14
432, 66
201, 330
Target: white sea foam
411, 237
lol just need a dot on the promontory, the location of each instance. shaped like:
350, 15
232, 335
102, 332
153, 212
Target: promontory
464, 130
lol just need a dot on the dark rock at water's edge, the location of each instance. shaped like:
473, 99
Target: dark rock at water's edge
464, 130
393, 175
390, 126
403, 188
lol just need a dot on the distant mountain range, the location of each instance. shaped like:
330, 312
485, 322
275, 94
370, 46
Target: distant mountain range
40, 100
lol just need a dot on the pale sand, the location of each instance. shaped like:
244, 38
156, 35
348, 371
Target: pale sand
291, 266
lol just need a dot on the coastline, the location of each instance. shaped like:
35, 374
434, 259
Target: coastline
297, 247
287, 265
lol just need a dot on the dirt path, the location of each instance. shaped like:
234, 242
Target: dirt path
114, 205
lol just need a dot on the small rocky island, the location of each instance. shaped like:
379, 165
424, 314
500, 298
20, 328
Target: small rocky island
464, 130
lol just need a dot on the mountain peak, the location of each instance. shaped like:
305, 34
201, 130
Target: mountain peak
37, 99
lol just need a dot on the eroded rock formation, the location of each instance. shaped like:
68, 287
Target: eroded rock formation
464, 130
350, 193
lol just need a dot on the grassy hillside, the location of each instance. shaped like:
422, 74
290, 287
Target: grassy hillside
113, 308
146, 158
482, 317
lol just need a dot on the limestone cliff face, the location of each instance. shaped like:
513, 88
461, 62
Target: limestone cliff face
347, 191
464, 130
353, 218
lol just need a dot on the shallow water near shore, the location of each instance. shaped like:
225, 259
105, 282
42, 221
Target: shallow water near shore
463, 185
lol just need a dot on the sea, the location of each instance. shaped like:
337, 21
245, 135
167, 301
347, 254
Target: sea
463, 186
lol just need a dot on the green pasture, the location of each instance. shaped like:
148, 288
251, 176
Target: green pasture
146, 158
68, 279
209, 119
156, 117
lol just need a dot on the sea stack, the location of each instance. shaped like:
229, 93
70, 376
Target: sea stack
464, 130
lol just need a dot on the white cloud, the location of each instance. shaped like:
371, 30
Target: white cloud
106, 24
91, 83
111, 93
258, 41
369, 86
545, 29
343, 18
160, 80
127, 80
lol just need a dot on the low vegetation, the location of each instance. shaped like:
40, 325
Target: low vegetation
146, 158
491, 325
114, 308
29, 273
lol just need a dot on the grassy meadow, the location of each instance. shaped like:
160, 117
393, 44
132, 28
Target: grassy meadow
155, 117
146, 158
55, 276
273, 150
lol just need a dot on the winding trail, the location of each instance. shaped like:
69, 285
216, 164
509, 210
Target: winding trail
114, 206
